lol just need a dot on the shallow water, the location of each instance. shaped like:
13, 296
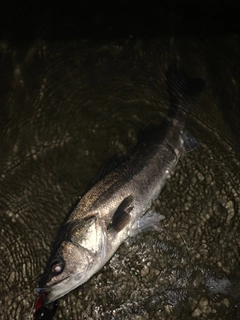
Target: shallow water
66, 106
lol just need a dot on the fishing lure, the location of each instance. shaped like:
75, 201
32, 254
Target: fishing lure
42, 312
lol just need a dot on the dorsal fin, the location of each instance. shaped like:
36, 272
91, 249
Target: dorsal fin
110, 165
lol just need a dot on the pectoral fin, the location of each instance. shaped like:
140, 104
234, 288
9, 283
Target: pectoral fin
122, 215
148, 222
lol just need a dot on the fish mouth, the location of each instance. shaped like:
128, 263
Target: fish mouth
50, 297
63, 287
49, 291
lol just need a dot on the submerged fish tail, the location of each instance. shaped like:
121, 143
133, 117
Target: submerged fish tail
182, 92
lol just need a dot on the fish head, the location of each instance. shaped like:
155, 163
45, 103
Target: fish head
66, 270
78, 255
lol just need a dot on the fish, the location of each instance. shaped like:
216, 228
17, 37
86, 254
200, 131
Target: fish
118, 205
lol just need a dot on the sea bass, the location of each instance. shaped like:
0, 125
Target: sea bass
118, 205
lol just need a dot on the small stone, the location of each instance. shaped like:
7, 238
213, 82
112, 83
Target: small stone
144, 271
196, 313
200, 176
203, 303
225, 301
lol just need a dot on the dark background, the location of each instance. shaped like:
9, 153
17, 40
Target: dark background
98, 20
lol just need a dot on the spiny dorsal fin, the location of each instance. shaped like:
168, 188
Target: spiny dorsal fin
110, 165
122, 215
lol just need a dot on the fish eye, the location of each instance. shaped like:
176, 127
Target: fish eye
57, 266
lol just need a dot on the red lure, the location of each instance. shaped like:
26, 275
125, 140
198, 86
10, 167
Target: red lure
42, 312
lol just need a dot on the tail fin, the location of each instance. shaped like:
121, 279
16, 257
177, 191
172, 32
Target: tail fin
182, 91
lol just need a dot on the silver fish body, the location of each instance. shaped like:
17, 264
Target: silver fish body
117, 206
